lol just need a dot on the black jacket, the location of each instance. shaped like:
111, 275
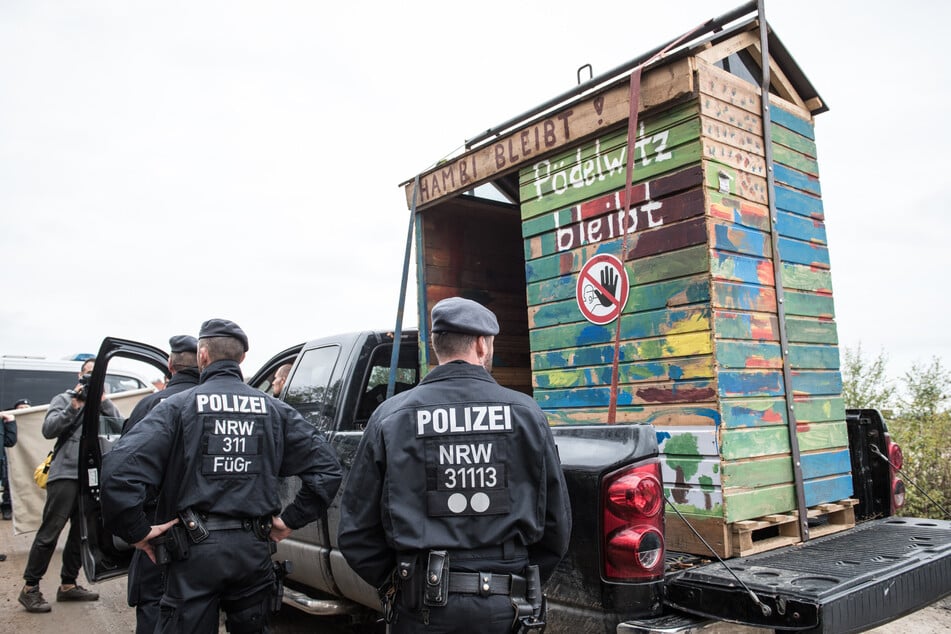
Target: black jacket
458, 462
218, 448
182, 380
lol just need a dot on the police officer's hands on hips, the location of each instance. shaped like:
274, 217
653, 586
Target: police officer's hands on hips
146, 546
279, 529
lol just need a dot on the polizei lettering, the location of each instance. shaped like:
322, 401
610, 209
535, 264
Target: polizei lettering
237, 403
462, 420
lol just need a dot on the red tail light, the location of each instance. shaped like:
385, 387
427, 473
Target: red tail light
897, 460
633, 523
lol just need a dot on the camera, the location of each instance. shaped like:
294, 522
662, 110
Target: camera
80, 393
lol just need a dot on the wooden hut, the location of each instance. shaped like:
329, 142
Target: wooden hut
703, 231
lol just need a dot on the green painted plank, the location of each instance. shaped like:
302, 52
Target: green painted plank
640, 326
808, 356
726, 180
786, 139
749, 297
690, 290
816, 382
817, 436
679, 415
819, 409
754, 441
693, 502
797, 124
753, 474
796, 160
637, 394
734, 353
809, 304
806, 278
748, 504
805, 330
734, 325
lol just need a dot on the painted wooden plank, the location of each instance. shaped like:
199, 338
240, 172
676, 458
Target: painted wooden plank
723, 132
600, 111
821, 464
564, 309
734, 157
797, 202
600, 166
806, 278
819, 409
761, 472
689, 470
688, 441
813, 437
657, 323
785, 139
732, 325
748, 504
637, 394
695, 501
559, 270
673, 345
805, 330
738, 239
733, 353
728, 88
795, 160
746, 383
727, 180
735, 117
826, 382
679, 369
655, 190
612, 225
807, 253
813, 357
736, 210
796, 179
753, 412
750, 442
809, 304
800, 227
825, 490
788, 120
741, 269
743, 297
678, 415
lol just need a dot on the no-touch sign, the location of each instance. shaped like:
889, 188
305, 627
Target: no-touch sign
602, 289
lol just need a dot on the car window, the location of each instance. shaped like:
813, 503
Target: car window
378, 376
309, 389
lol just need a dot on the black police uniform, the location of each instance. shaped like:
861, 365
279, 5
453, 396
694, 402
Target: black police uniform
218, 450
463, 464
145, 583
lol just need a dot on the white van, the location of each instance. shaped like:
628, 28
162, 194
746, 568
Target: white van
39, 380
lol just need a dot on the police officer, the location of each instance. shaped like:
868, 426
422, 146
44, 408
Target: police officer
456, 506
145, 578
215, 453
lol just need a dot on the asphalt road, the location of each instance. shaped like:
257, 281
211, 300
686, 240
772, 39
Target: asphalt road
111, 615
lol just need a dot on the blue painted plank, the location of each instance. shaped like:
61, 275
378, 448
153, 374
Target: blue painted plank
800, 227
797, 202
796, 179
792, 122
806, 253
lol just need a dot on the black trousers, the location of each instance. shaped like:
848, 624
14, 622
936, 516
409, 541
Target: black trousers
145, 588
230, 570
62, 505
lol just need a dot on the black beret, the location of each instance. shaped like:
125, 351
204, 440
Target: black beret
456, 314
183, 343
22, 401
223, 328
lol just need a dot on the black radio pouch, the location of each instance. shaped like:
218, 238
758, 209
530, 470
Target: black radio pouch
194, 525
436, 589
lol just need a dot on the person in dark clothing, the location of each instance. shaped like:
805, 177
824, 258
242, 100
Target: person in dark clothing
64, 422
215, 454
145, 583
456, 492
8, 436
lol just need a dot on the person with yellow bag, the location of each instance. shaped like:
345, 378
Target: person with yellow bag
64, 422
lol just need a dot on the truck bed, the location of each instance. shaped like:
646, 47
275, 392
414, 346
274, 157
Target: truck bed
846, 582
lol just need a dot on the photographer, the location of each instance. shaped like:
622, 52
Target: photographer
64, 422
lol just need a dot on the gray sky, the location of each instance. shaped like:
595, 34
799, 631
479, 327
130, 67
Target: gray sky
163, 163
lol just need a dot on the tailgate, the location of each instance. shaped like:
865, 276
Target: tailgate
846, 582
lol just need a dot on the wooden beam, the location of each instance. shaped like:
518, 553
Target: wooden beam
733, 45
573, 122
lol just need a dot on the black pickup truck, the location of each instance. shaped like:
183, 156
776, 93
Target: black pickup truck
878, 571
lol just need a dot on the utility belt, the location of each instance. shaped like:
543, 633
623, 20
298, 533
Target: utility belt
421, 590
195, 527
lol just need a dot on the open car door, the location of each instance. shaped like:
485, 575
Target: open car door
104, 555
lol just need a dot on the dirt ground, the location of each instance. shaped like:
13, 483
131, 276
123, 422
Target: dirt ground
111, 614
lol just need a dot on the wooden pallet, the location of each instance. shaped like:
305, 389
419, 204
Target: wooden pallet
748, 537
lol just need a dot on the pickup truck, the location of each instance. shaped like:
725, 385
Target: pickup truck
882, 569
653, 244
